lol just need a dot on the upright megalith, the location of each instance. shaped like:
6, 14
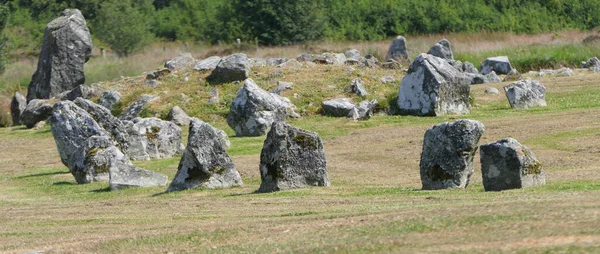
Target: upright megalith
67, 46
526, 94
433, 87
17, 107
235, 67
442, 49
253, 110
447, 156
205, 163
397, 51
292, 158
507, 164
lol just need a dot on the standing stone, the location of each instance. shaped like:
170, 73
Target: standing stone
67, 46
235, 67
253, 110
292, 158
447, 157
364, 110
183, 61
442, 49
36, 111
178, 116
506, 164
525, 94
337, 107
136, 107
432, 87
499, 64
17, 106
205, 163
124, 175
513, 75
397, 51
207, 64
91, 162
357, 87
109, 98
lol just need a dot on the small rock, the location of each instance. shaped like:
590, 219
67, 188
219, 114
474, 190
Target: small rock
36, 111
337, 107
352, 54
136, 107
290, 63
391, 65
469, 68
158, 74
513, 75
491, 90
363, 111
526, 94
387, 79
124, 175
304, 58
235, 67
109, 98
178, 116
499, 64
281, 86
152, 83
207, 64
39, 125
357, 87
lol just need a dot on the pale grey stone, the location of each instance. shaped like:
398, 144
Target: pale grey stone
397, 51
357, 87
17, 106
232, 68
123, 175
178, 116
364, 110
337, 107
442, 49
207, 64
135, 108
109, 98
526, 94
183, 61
491, 90
281, 86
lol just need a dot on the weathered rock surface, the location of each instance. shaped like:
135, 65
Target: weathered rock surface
207, 64
337, 107
526, 94
109, 98
152, 138
281, 86
442, 49
17, 106
513, 75
82, 91
364, 110
178, 116
290, 63
433, 87
106, 121
183, 61
152, 83
562, 72
370, 61
592, 64
37, 110
397, 51
235, 67
329, 58
492, 78
67, 46
491, 90
123, 175
499, 64
253, 110
352, 54
469, 68
507, 164
91, 162
357, 87
136, 107
157, 74
205, 163
292, 158
447, 156
304, 58
387, 79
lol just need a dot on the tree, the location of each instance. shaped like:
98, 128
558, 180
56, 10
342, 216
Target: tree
4, 12
122, 25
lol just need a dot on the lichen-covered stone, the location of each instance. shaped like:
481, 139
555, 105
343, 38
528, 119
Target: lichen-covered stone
507, 164
136, 107
447, 156
153, 138
178, 116
109, 98
525, 94
357, 87
91, 162
37, 110
232, 68
397, 51
205, 163
207, 64
364, 110
292, 158
433, 87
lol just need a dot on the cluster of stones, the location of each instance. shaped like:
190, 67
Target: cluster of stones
447, 159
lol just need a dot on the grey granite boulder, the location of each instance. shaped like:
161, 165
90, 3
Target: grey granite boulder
469, 68
82, 91
135, 108
281, 86
36, 111
364, 110
91, 162
442, 49
370, 61
178, 116
433, 87
507, 164
183, 61
292, 158
152, 138
109, 98
290, 63
337, 107
123, 175
492, 78
357, 87
397, 51
253, 110
205, 163
214, 96
513, 75
235, 67
102, 116
447, 156
67, 46
17, 106
330, 58
207, 64
475, 78
526, 94
305, 58
157, 74
592, 64
499, 64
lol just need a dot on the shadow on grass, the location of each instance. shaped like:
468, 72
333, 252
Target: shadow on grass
42, 174
107, 189
64, 183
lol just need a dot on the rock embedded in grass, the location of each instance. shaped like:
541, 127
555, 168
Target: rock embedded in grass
67, 46
36, 110
152, 138
183, 61
357, 87
442, 49
526, 94
123, 175
292, 158
340, 107
17, 106
178, 116
492, 78
207, 64
232, 68
592, 64
109, 98
447, 156
507, 164
499, 64
91, 162
364, 110
491, 90
205, 163
433, 87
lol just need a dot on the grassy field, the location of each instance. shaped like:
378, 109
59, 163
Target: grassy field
374, 204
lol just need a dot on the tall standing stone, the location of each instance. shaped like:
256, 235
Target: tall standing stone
507, 164
397, 51
433, 87
17, 106
442, 49
447, 157
292, 158
67, 46
205, 163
